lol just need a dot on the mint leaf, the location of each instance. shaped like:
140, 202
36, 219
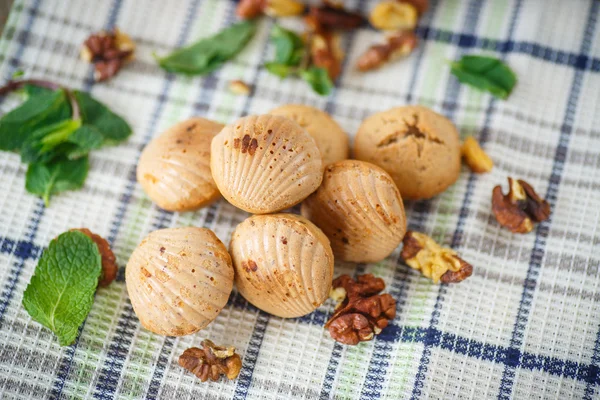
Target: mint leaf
110, 125
46, 179
289, 46
61, 291
485, 73
208, 54
45, 143
281, 70
84, 139
318, 79
38, 111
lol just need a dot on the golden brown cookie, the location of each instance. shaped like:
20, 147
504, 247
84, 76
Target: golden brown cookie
418, 147
331, 139
265, 163
359, 209
174, 169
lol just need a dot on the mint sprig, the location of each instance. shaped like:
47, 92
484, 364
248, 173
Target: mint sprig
61, 291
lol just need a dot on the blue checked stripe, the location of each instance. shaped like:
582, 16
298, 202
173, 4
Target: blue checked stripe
452, 92
118, 349
537, 254
590, 387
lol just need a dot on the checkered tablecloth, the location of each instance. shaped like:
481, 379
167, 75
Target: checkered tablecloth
525, 325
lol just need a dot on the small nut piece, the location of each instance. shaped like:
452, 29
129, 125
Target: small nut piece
359, 208
434, 261
265, 163
239, 87
326, 52
421, 5
283, 264
174, 169
247, 9
179, 280
520, 208
108, 51
331, 139
109, 261
391, 15
332, 16
361, 312
211, 361
477, 159
398, 45
418, 147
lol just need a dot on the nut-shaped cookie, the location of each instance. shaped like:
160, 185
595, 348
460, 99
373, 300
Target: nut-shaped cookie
283, 264
418, 147
179, 279
174, 169
265, 163
359, 208
331, 139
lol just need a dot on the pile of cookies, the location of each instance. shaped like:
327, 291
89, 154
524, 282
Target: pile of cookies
351, 210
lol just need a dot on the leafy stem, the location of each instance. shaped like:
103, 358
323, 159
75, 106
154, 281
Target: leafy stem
13, 85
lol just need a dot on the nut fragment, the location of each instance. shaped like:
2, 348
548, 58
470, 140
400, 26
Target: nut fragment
477, 159
398, 45
247, 9
109, 261
326, 52
108, 51
392, 15
520, 208
331, 16
421, 5
434, 261
362, 312
239, 87
211, 361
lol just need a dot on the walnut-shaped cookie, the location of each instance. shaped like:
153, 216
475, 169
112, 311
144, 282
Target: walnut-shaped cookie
418, 147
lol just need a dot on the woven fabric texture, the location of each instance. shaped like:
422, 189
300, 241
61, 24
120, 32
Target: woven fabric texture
525, 325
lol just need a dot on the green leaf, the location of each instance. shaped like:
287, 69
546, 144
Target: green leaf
289, 47
318, 79
281, 70
485, 73
46, 179
84, 139
38, 111
61, 291
45, 143
209, 53
113, 128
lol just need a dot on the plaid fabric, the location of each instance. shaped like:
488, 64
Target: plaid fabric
525, 325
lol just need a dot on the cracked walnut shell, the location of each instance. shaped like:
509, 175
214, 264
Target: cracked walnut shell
418, 147
178, 280
359, 208
434, 261
174, 168
265, 163
283, 264
331, 139
211, 361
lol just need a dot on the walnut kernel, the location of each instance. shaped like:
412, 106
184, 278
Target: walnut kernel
211, 361
283, 8
400, 44
434, 261
392, 15
326, 52
477, 159
520, 208
239, 87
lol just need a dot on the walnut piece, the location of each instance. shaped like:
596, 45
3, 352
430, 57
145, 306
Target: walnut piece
391, 15
421, 5
326, 52
109, 261
434, 261
239, 87
520, 208
332, 16
361, 312
247, 9
400, 44
477, 159
108, 51
211, 361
